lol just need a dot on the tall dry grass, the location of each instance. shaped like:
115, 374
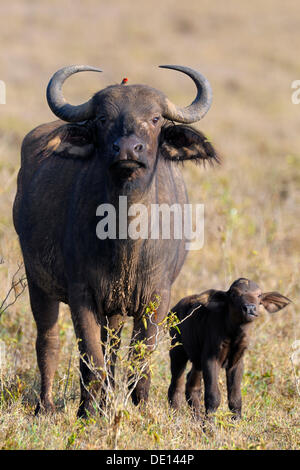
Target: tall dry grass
248, 51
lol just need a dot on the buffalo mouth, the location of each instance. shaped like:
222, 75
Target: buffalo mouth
126, 167
250, 316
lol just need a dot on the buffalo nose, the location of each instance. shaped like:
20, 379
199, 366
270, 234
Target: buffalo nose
127, 148
249, 309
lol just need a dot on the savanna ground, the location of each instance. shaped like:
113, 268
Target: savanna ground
248, 51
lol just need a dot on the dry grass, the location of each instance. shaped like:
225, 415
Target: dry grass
248, 50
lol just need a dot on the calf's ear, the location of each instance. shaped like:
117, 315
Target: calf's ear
180, 142
70, 141
273, 301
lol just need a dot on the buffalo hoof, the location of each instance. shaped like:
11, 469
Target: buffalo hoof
139, 397
86, 410
236, 417
44, 408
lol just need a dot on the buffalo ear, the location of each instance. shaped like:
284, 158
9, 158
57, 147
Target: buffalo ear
273, 301
181, 142
70, 141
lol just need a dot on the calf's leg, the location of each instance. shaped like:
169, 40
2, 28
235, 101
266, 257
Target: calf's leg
212, 396
234, 379
193, 391
178, 358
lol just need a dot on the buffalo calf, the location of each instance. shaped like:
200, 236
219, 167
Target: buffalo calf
214, 334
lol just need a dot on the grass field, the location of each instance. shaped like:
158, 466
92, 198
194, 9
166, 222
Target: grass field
248, 51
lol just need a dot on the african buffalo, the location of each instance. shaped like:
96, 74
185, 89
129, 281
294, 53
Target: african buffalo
122, 142
215, 333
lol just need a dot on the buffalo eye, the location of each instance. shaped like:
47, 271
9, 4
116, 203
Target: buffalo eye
155, 120
101, 119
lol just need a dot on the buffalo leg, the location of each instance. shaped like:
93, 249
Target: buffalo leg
178, 360
111, 341
150, 336
87, 332
193, 391
234, 379
45, 312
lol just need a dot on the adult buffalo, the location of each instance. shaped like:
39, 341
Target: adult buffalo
122, 142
